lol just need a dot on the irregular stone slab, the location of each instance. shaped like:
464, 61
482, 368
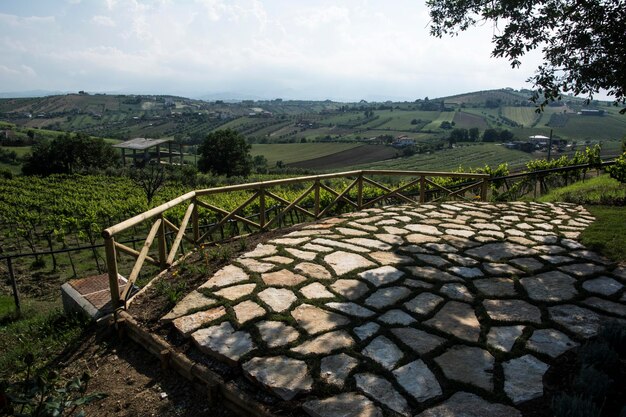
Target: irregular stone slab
189, 324
226, 276
390, 239
261, 250
315, 320
223, 342
346, 231
235, 292
383, 351
310, 232
313, 270
424, 229
343, 405
591, 256
335, 369
316, 290
344, 262
457, 319
550, 249
317, 248
256, 266
442, 247
461, 260
415, 283
326, 343
550, 342
602, 285
582, 270
366, 331
390, 258
460, 232
291, 241
351, 309
495, 287
418, 380
193, 301
512, 311
418, 340
437, 261
302, 254
382, 391
247, 311
387, 296
576, 319
283, 260
278, 299
523, 378
423, 303
381, 276
276, 333
556, 259
550, 286
395, 230
433, 274
396, 317
499, 251
606, 305
501, 269
503, 338
418, 238
369, 243
349, 288
456, 291
470, 365
365, 227
521, 241
340, 244
285, 377
464, 404
283, 278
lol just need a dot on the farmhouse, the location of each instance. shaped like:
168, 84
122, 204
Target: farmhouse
145, 150
403, 141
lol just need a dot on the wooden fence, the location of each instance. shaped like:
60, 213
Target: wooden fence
416, 187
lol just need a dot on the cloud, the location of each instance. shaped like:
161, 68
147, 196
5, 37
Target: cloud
22, 70
103, 21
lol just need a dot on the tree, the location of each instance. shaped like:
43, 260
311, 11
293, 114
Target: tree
67, 154
506, 136
491, 135
582, 41
150, 179
225, 152
474, 134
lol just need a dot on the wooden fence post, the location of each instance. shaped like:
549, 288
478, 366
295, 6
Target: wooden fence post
162, 244
16, 294
359, 197
422, 189
262, 207
194, 222
109, 246
317, 197
483, 189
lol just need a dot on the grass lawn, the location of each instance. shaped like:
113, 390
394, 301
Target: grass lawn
608, 233
42, 329
605, 198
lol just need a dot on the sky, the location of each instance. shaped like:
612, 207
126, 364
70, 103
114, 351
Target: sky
291, 49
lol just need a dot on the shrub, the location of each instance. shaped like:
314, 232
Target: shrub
565, 405
618, 171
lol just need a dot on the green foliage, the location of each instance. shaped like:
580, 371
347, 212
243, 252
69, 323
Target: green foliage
565, 405
68, 154
46, 394
601, 190
618, 171
592, 382
606, 234
225, 152
173, 291
582, 51
598, 353
615, 335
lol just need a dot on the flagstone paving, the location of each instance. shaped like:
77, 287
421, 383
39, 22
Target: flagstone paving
425, 310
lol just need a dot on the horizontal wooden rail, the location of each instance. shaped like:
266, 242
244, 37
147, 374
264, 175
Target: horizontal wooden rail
350, 194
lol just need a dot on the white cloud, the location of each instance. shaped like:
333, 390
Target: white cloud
103, 21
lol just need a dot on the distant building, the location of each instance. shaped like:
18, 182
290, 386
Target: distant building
403, 141
590, 112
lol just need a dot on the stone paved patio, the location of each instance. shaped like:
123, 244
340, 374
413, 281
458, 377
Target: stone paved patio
409, 309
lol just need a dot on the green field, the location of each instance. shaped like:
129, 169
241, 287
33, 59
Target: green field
289, 153
444, 116
470, 156
525, 116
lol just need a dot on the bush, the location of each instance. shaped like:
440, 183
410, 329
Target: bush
565, 405
618, 171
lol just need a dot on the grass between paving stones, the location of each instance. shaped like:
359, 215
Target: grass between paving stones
314, 361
